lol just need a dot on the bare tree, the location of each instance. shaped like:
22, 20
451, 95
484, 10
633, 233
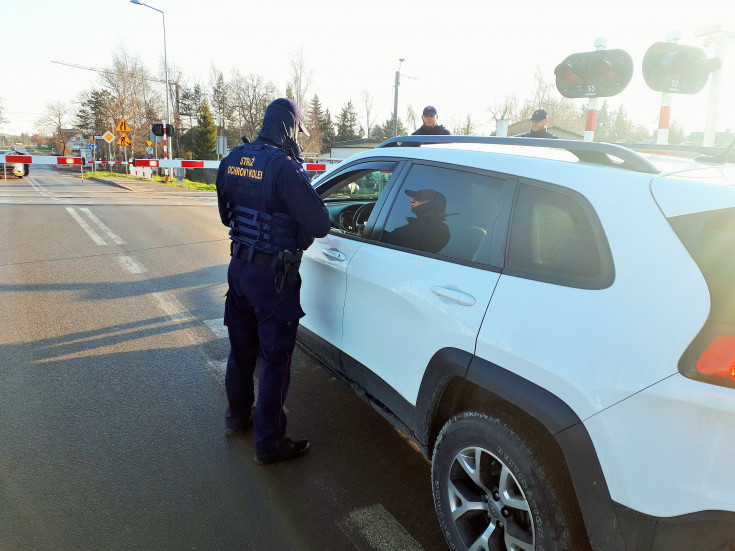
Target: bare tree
249, 96
466, 127
546, 96
54, 123
367, 102
132, 96
505, 109
300, 78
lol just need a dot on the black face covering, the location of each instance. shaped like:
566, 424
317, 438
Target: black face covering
280, 129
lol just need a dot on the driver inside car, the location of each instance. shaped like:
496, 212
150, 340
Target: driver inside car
426, 231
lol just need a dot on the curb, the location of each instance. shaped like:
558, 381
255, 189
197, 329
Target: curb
109, 183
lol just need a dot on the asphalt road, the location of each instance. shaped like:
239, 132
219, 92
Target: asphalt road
112, 356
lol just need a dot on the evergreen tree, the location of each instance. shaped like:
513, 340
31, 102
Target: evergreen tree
604, 124
189, 101
219, 97
327, 128
91, 117
314, 116
205, 137
347, 127
621, 126
385, 131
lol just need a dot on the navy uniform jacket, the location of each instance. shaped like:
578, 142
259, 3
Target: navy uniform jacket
540, 134
437, 130
287, 190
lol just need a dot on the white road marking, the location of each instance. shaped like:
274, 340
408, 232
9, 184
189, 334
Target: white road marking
40, 189
96, 238
381, 530
131, 265
218, 327
101, 225
175, 311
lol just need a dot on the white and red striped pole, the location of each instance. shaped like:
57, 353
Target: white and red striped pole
589, 125
664, 119
165, 145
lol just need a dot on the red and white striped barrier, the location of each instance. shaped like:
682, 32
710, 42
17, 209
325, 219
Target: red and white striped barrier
182, 163
152, 163
40, 160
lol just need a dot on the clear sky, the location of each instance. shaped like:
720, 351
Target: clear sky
463, 55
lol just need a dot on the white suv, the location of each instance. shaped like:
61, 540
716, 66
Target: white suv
552, 322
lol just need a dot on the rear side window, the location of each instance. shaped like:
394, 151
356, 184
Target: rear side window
710, 239
447, 212
556, 237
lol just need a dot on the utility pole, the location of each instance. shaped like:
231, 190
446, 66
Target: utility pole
395, 97
714, 35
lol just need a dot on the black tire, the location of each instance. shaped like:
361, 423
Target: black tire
517, 498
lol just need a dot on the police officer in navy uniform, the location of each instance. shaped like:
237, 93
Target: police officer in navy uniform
273, 213
430, 126
539, 120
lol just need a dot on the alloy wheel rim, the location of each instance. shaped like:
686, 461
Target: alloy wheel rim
488, 505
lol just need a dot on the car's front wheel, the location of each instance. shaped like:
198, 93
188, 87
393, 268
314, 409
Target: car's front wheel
492, 492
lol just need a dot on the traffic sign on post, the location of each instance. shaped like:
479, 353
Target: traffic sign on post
124, 141
108, 136
123, 126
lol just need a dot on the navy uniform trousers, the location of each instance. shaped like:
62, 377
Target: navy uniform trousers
262, 322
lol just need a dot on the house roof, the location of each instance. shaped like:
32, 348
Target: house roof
362, 142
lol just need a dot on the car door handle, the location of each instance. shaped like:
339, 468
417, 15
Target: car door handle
455, 295
334, 254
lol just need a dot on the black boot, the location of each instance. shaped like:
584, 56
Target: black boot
287, 449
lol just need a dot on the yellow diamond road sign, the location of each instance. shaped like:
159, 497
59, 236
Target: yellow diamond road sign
148, 143
122, 126
109, 136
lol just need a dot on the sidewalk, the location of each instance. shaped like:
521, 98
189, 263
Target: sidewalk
141, 185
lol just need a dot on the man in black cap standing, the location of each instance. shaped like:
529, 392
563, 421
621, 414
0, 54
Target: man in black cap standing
265, 197
539, 120
430, 126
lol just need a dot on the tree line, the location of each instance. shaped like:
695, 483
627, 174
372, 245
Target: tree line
234, 106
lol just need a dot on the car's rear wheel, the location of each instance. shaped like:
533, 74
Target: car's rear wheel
493, 492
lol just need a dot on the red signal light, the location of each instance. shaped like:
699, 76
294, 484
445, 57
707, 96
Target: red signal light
719, 358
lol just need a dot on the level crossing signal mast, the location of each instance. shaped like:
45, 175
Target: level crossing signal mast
677, 69
158, 130
596, 74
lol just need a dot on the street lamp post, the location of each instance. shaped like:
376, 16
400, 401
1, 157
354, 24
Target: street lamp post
166, 149
395, 97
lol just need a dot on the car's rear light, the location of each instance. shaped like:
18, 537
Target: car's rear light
718, 359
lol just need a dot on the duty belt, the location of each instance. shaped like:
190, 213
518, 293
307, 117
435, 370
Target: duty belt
252, 256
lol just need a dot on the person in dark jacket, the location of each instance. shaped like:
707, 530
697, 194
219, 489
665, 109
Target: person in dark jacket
430, 126
539, 120
266, 199
426, 231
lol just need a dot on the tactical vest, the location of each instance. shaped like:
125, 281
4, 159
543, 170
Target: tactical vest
249, 185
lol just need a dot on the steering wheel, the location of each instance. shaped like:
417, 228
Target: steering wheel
345, 220
361, 215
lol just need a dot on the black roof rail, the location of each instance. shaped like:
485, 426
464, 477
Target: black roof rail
589, 152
